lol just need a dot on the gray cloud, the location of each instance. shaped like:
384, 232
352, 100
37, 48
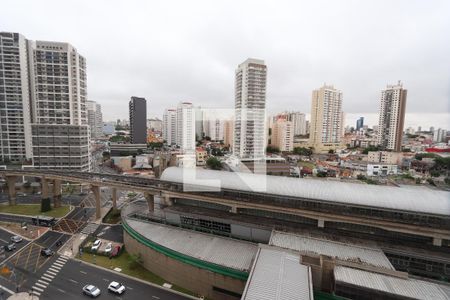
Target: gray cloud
169, 51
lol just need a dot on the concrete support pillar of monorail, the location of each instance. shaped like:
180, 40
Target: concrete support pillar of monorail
321, 223
44, 188
11, 181
167, 200
150, 201
96, 191
57, 193
114, 197
233, 210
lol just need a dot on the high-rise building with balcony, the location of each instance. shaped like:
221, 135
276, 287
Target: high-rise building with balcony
299, 122
283, 135
95, 119
250, 110
186, 127
60, 129
138, 120
392, 117
169, 126
43, 86
15, 116
326, 125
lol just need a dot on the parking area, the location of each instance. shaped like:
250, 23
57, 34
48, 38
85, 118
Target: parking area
112, 233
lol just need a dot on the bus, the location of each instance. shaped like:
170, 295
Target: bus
43, 221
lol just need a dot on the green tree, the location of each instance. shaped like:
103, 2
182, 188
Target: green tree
303, 151
214, 163
272, 149
370, 148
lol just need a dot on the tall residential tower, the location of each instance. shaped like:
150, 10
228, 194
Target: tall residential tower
250, 110
326, 118
138, 120
392, 117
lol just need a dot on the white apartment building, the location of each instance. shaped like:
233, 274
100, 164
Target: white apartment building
283, 135
213, 124
392, 117
186, 127
381, 170
95, 119
299, 121
326, 127
169, 126
439, 135
250, 110
52, 88
15, 117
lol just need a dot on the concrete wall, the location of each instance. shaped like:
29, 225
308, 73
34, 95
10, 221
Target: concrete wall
195, 279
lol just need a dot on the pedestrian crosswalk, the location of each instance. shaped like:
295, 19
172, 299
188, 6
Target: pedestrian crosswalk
41, 284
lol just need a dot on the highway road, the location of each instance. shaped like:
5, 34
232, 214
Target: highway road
5, 239
72, 275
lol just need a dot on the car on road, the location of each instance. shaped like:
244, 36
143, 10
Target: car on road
47, 252
16, 239
108, 248
116, 288
10, 247
96, 245
91, 290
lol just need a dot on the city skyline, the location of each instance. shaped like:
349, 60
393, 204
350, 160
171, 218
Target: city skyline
144, 69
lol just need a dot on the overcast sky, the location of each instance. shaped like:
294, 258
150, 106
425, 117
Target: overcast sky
171, 51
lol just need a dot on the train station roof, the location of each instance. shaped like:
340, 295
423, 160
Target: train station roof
342, 251
396, 286
278, 275
221, 251
417, 199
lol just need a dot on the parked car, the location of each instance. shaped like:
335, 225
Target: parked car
108, 248
10, 247
91, 290
115, 251
47, 252
16, 238
116, 288
96, 245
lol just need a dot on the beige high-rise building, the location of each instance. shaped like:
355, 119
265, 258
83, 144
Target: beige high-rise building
392, 117
228, 133
283, 135
326, 119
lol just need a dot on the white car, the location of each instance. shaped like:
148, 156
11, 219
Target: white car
108, 248
91, 290
96, 245
116, 288
16, 239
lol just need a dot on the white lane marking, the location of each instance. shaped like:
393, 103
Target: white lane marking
74, 281
58, 264
54, 272
130, 288
36, 293
58, 268
63, 258
104, 279
40, 285
43, 282
6, 289
47, 275
4, 241
37, 289
83, 272
62, 291
155, 297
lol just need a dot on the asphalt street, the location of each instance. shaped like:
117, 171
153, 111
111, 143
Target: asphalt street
51, 238
5, 239
14, 218
110, 232
73, 275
